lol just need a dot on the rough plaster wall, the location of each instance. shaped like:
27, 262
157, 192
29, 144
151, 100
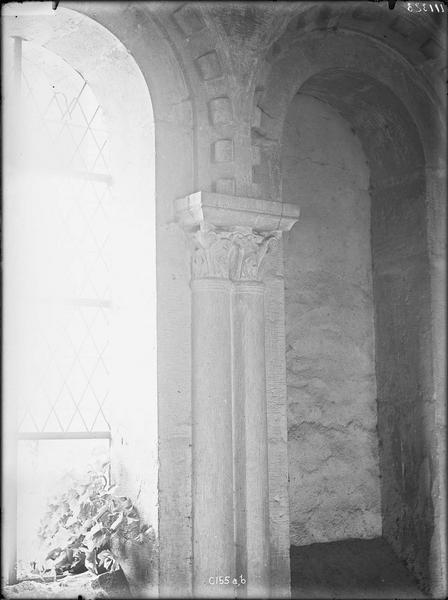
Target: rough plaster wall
436, 190
333, 448
406, 412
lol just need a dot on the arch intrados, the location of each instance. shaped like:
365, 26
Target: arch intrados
145, 41
318, 52
387, 133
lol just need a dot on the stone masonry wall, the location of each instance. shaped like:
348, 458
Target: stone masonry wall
332, 438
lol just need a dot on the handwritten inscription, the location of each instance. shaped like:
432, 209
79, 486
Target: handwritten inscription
422, 7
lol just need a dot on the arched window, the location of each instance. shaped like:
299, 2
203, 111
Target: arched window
63, 164
80, 377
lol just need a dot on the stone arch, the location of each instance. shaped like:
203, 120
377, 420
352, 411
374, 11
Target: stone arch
321, 51
199, 60
397, 116
189, 73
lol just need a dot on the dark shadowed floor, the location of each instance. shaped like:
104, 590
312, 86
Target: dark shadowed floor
358, 569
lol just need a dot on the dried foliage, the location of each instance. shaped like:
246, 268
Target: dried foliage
84, 526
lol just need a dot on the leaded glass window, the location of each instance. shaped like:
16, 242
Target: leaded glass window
62, 212
66, 214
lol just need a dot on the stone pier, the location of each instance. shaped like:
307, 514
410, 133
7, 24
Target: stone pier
230, 238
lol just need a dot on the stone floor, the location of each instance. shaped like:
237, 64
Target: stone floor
358, 569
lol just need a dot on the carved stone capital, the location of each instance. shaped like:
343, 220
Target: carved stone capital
235, 254
231, 236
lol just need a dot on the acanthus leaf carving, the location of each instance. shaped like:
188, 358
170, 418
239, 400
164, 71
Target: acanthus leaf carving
210, 253
236, 254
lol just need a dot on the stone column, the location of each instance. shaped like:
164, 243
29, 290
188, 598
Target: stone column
230, 238
249, 401
212, 416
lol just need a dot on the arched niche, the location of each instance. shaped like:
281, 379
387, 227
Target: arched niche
396, 117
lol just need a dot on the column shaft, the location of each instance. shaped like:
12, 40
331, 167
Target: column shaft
213, 528
251, 451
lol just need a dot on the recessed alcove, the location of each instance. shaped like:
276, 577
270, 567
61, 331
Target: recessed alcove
357, 320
